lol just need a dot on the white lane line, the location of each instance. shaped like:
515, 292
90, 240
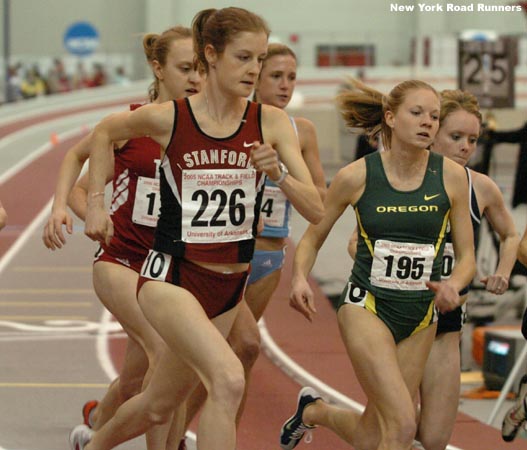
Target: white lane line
104, 357
24, 237
42, 216
102, 347
13, 170
56, 337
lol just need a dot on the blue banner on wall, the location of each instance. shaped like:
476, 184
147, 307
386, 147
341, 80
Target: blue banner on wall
81, 39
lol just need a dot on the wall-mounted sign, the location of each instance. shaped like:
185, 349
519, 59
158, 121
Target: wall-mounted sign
81, 39
486, 69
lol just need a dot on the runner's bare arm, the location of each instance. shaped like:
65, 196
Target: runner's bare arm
447, 291
343, 191
502, 223
154, 120
279, 134
307, 136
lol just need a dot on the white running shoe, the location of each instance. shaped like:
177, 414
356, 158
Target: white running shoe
80, 436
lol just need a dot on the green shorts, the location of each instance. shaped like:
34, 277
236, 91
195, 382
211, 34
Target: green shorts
402, 318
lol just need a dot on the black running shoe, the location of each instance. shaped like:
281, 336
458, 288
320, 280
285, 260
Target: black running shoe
294, 429
516, 416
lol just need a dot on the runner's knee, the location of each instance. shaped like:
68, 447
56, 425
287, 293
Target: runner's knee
433, 439
402, 428
246, 346
130, 386
228, 385
159, 410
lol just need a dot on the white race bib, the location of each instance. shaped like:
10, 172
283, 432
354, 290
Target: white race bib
448, 261
274, 204
147, 202
402, 265
156, 265
218, 205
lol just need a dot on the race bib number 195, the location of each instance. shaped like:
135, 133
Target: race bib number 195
402, 265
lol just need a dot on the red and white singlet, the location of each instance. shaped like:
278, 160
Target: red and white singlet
135, 201
210, 192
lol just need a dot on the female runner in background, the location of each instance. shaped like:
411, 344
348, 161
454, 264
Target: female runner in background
459, 128
134, 208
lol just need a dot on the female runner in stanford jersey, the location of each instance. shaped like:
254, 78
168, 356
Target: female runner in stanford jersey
133, 209
212, 174
275, 87
386, 313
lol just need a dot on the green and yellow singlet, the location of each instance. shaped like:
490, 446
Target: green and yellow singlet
401, 233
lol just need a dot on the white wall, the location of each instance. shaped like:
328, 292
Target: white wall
37, 26
359, 21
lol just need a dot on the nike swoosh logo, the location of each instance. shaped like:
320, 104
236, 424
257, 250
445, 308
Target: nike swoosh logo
430, 197
245, 144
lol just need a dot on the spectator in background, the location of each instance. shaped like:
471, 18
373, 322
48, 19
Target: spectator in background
13, 93
80, 79
99, 77
58, 79
32, 85
517, 136
39, 76
120, 77
481, 162
489, 138
516, 416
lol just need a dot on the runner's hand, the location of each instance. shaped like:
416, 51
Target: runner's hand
264, 158
52, 235
99, 225
301, 298
497, 284
446, 297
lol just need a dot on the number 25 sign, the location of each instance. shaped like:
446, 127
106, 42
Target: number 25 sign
486, 69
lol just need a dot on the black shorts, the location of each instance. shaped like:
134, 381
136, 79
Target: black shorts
451, 321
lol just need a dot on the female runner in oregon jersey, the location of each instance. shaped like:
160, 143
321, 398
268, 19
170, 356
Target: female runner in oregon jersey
403, 199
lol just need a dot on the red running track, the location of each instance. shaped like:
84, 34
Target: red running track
272, 396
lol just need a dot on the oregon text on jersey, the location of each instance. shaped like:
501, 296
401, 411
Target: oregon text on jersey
407, 208
216, 156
